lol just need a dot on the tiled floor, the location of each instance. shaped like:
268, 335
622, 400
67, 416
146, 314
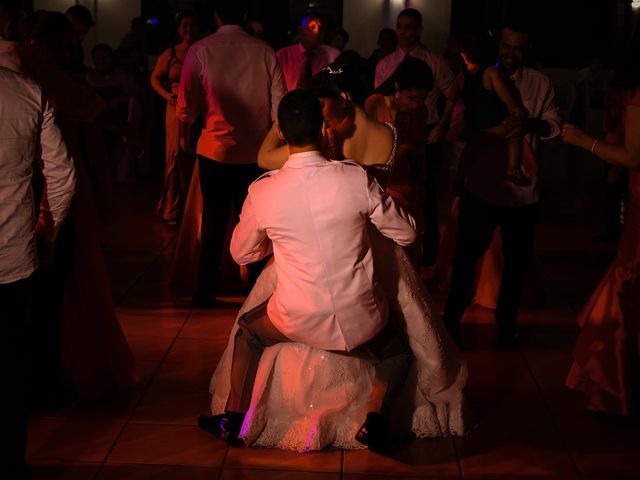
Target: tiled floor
528, 425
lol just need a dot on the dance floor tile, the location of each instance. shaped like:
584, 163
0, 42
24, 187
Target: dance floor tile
213, 324
368, 476
82, 439
249, 474
167, 445
141, 323
609, 464
115, 406
112, 471
51, 470
150, 349
196, 351
186, 376
271, 458
513, 461
171, 406
425, 458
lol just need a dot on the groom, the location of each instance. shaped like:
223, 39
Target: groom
314, 215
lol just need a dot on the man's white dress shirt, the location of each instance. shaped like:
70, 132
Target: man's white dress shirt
234, 79
443, 77
487, 160
28, 133
315, 215
292, 61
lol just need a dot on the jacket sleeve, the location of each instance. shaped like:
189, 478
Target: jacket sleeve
391, 220
249, 242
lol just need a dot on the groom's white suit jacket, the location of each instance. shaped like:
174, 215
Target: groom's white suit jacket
313, 214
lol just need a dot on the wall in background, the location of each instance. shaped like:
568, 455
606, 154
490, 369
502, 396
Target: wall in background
112, 17
363, 19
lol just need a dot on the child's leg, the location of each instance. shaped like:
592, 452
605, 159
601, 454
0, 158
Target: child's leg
514, 155
514, 163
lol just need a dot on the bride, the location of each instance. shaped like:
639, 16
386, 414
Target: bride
306, 399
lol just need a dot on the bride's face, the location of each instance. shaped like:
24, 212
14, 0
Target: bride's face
338, 114
333, 111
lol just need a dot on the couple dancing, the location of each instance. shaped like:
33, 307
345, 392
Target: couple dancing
298, 370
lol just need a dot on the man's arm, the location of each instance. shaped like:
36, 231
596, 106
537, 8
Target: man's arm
59, 174
390, 219
191, 93
548, 126
445, 82
249, 242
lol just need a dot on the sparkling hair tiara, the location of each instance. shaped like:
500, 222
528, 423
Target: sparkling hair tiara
333, 71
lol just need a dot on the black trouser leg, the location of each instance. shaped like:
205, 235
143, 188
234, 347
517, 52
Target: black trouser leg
14, 301
223, 186
476, 223
518, 228
431, 237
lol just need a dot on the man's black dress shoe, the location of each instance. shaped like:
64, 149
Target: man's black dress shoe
373, 434
225, 426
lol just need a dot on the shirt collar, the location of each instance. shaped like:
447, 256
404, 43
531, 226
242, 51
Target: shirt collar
229, 29
304, 158
301, 48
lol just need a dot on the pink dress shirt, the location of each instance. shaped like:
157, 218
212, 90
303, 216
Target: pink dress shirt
486, 159
27, 130
315, 215
443, 77
292, 61
235, 80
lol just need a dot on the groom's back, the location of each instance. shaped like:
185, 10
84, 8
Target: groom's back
316, 214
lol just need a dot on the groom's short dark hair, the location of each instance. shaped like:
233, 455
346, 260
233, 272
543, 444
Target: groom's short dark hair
300, 117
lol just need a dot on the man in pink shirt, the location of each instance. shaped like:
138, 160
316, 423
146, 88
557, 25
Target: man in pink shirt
489, 201
314, 215
235, 80
301, 61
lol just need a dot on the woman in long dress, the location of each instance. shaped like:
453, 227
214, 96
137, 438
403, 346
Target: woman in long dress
74, 318
305, 398
404, 108
165, 80
606, 367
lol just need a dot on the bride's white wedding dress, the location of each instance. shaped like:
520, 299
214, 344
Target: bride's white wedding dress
307, 399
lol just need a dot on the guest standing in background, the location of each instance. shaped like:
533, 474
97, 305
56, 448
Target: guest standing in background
235, 79
29, 139
165, 80
489, 201
606, 366
300, 62
409, 30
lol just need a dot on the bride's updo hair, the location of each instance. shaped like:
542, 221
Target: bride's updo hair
335, 79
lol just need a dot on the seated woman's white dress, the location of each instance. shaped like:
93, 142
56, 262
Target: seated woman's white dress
307, 399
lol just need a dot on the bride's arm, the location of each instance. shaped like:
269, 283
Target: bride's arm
272, 155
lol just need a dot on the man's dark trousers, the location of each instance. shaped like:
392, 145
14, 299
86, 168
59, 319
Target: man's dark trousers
223, 186
477, 221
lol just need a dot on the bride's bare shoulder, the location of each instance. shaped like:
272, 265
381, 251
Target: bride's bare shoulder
380, 143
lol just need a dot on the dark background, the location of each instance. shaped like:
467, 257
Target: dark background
565, 33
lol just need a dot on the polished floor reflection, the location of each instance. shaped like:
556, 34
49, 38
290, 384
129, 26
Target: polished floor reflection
528, 424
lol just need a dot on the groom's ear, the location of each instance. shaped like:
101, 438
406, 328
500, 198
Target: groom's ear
280, 135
